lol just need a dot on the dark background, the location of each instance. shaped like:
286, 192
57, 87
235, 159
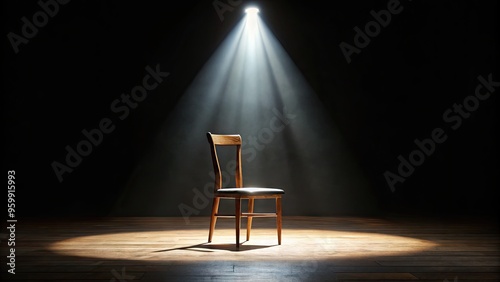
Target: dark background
395, 90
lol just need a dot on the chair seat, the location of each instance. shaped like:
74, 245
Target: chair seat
250, 191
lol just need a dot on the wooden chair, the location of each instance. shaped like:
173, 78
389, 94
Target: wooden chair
239, 192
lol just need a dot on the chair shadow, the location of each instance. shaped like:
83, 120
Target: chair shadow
208, 247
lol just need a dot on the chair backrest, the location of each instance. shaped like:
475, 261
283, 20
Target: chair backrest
225, 140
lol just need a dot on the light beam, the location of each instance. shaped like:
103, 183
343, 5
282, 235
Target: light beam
250, 86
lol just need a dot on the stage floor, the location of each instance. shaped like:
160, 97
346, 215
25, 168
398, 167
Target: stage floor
313, 249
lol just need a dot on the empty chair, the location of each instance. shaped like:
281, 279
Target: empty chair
239, 192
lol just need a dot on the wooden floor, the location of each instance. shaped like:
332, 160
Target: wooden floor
313, 249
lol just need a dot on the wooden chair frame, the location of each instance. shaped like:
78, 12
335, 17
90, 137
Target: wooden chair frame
241, 193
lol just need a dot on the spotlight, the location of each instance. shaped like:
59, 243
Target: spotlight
252, 11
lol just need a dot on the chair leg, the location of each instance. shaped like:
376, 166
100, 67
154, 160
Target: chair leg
213, 218
278, 218
237, 213
249, 218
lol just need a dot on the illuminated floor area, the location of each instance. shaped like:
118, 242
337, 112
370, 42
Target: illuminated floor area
313, 249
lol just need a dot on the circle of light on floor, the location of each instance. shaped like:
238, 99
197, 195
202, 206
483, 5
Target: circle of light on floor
192, 245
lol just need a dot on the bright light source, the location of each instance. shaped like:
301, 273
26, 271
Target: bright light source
252, 11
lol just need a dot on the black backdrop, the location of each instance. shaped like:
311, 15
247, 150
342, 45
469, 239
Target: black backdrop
395, 90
